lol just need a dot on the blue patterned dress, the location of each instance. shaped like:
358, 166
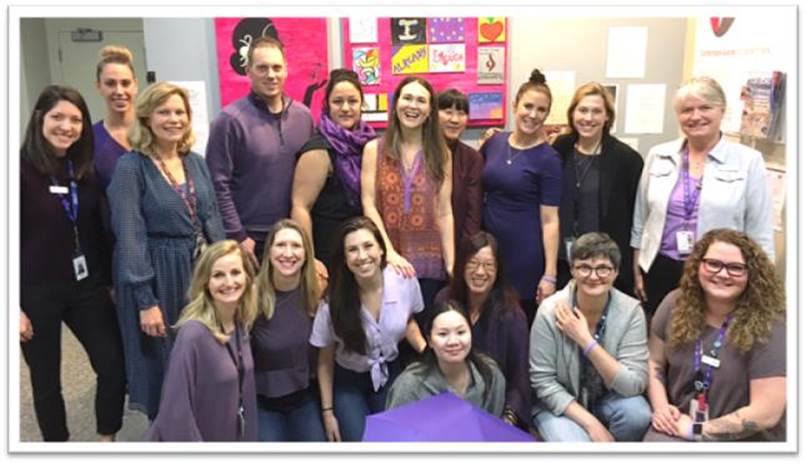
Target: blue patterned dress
153, 260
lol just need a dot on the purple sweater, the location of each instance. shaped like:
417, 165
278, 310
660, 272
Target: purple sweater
251, 155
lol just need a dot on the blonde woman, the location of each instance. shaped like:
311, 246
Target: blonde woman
209, 391
163, 214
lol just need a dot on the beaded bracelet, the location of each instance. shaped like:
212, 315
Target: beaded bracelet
591, 344
549, 279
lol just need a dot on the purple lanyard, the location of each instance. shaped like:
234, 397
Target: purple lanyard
689, 200
408, 181
70, 206
702, 386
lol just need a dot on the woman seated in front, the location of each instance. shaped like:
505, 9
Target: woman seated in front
588, 353
451, 365
718, 347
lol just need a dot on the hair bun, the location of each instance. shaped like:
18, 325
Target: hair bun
116, 51
537, 77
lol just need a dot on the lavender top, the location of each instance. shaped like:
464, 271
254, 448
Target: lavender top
401, 299
284, 361
676, 217
251, 154
106, 151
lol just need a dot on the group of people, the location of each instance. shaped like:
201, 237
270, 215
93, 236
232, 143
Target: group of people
301, 276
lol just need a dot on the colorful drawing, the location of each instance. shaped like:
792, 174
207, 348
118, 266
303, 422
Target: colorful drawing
410, 59
491, 65
492, 29
367, 63
446, 30
363, 30
408, 31
446, 58
486, 105
376, 107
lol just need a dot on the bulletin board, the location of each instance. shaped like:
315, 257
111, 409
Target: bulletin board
468, 54
305, 44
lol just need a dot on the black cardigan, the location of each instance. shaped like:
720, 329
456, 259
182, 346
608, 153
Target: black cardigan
619, 173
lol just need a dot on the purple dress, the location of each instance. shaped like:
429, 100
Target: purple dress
106, 152
200, 393
513, 194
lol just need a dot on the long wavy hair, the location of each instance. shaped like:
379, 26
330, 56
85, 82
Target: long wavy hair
308, 283
202, 307
344, 295
760, 305
140, 135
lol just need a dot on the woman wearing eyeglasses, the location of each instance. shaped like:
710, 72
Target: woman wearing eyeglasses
718, 347
588, 353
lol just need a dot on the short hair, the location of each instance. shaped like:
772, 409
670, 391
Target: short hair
39, 151
265, 41
337, 76
595, 245
536, 82
704, 87
452, 98
117, 54
154, 95
592, 89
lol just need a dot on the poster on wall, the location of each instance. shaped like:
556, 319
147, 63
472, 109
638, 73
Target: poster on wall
305, 42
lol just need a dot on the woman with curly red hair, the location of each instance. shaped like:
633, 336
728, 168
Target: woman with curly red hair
718, 347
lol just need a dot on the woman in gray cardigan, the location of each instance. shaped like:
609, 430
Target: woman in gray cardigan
588, 353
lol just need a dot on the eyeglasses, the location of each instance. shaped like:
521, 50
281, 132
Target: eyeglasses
488, 266
601, 271
715, 266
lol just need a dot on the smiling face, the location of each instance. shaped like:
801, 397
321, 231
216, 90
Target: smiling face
590, 117
362, 253
118, 87
453, 122
345, 105
413, 105
481, 271
267, 72
169, 122
594, 276
450, 337
287, 254
531, 110
721, 285
699, 118
227, 280
61, 126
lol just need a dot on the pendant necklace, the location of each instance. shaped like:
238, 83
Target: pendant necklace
510, 156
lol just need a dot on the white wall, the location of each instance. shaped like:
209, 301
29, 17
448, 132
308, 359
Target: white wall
35, 68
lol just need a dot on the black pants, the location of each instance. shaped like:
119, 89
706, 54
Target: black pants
529, 307
663, 277
88, 311
428, 289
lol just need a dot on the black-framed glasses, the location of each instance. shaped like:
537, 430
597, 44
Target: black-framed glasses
601, 271
488, 266
715, 266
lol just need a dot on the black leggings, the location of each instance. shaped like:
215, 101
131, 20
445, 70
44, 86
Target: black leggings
663, 277
88, 311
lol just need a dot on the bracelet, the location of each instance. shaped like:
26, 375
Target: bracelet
549, 279
590, 346
327, 409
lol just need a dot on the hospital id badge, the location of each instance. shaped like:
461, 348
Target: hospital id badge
685, 241
697, 414
80, 267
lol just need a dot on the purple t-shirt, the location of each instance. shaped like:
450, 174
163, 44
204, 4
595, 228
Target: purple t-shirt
676, 220
106, 152
401, 299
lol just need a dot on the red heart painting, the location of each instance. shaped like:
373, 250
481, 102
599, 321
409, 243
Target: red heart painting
491, 31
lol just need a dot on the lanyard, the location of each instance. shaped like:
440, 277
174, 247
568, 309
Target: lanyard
598, 334
408, 181
690, 200
188, 195
70, 206
702, 379
239, 366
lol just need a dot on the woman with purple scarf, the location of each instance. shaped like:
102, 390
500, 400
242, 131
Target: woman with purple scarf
327, 180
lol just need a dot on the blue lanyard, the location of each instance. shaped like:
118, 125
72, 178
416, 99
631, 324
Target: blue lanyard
702, 386
598, 334
70, 206
689, 200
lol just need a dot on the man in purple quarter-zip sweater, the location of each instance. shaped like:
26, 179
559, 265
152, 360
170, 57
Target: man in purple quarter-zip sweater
251, 151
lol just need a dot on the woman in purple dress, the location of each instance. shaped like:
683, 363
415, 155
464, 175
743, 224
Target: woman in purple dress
209, 389
117, 85
522, 181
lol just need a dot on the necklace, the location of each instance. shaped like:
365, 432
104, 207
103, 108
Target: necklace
583, 162
510, 156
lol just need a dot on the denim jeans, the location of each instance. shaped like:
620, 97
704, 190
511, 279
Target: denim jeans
354, 399
303, 422
627, 419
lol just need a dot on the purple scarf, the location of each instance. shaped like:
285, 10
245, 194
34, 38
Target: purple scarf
349, 146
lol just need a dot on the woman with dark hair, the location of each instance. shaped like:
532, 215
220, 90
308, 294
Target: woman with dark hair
65, 263
522, 181
452, 364
717, 349
369, 310
285, 364
406, 189
498, 323
327, 179
466, 195
600, 180
164, 214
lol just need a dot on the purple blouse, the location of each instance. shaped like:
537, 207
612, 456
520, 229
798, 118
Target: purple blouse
676, 217
401, 299
106, 152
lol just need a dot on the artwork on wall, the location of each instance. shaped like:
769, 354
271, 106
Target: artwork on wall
444, 50
304, 39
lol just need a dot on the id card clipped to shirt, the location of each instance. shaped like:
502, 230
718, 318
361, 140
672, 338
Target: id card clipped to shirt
685, 242
80, 268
